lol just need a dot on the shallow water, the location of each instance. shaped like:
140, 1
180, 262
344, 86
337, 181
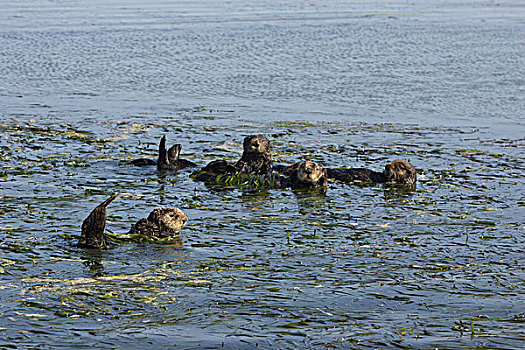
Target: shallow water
87, 86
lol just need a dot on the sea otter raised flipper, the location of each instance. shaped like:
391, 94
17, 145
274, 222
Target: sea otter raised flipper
169, 160
93, 227
166, 160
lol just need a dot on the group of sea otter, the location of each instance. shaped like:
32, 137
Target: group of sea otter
256, 160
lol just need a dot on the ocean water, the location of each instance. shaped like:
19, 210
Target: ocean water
87, 86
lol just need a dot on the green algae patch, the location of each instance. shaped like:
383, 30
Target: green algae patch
246, 180
296, 124
465, 151
77, 135
140, 238
240, 180
103, 295
132, 238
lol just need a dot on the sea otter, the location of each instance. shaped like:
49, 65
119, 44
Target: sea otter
396, 172
162, 222
304, 174
256, 159
256, 156
167, 159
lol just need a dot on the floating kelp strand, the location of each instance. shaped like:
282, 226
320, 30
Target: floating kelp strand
140, 238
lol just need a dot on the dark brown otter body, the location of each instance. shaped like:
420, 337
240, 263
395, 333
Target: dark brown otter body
396, 172
256, 156
162, 222
256, 159
167, 160
141, 162
215, 168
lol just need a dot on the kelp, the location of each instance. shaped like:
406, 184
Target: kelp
84, 136
132, 238
242, 180
247, 180
140, 238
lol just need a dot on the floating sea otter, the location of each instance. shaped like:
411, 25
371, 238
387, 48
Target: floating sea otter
256, 156
304, 174
256, 159
396, 172
167, 160
162, 222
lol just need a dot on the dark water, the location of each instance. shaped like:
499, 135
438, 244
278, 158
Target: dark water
85, 86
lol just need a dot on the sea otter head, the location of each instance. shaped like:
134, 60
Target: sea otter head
168, 219
400, 172
255, 145
310, 172
162, 222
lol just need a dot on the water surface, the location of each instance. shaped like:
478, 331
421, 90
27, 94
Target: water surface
87, 86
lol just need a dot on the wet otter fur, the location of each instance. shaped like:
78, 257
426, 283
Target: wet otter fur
167, 159
215, 168
256, 159
396, 172
162, 222
256, 156
305, 174
93, 227
141, 162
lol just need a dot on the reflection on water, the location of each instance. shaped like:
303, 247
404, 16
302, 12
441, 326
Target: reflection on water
88, 86
383, 61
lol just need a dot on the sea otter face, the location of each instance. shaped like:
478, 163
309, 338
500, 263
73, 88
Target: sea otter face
257, 144
169, 220
401, 172
309, 171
